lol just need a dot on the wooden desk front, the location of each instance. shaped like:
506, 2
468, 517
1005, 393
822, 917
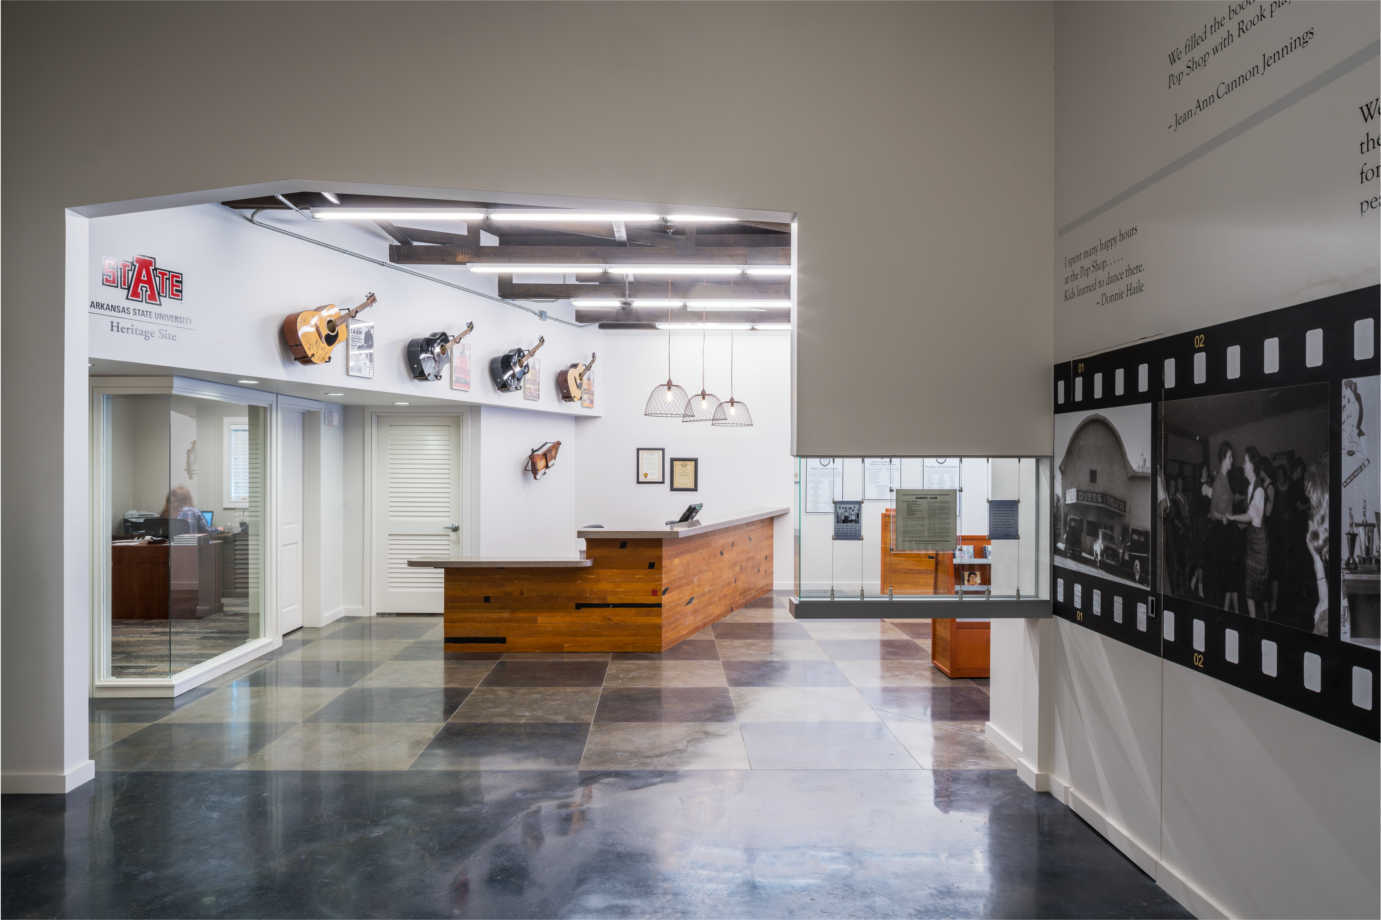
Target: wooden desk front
634, 591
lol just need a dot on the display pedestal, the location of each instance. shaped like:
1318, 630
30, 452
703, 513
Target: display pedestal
959, 648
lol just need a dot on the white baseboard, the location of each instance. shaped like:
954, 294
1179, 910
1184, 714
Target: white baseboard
351, 611
1038, 780
13, 782
1175, 882
195, 676
327, 618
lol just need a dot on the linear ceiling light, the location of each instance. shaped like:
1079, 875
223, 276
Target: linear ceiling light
519, 268
693, 303
329, 196
772, 327
700, 219
573, 217
768, 271
695, 327
395, 214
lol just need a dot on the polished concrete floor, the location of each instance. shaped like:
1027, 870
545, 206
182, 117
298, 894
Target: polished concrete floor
766, 767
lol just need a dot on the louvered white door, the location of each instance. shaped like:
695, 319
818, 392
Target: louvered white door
416, 494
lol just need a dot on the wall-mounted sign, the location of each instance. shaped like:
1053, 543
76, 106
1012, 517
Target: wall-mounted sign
1100, 499
1003, 522
141, 279
926, 520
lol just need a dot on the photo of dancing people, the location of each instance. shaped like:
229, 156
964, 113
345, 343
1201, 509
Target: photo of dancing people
1244, 484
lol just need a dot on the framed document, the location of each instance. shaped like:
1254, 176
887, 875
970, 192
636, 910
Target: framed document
359, 339
824, 483
925, 521
650, 466
460, 366
587, 392
685, 474
879, 479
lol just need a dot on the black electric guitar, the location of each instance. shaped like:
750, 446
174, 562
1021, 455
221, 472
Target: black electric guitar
571, 382
508, 369
429, 355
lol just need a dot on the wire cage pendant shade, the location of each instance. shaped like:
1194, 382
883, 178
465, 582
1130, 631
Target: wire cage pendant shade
667, 400
732, 413
701, 406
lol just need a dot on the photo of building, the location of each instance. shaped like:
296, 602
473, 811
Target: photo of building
1103, 493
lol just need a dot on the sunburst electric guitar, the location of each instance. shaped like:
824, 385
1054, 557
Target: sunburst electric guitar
312, 334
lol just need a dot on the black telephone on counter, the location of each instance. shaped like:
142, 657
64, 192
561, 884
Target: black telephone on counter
688, 516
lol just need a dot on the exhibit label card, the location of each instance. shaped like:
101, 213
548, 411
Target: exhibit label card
360, 350
532, 383
460, 366
926, 520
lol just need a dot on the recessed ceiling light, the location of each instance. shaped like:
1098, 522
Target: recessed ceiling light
401, 403
572, 217
335, 394
700, 219
247, 381
518, 268
330, 197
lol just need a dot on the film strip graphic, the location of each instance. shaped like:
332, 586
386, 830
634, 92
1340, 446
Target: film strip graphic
1311, 347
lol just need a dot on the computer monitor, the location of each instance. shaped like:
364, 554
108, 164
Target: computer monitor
207, 515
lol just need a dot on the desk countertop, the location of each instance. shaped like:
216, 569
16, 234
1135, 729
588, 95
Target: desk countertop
680, 532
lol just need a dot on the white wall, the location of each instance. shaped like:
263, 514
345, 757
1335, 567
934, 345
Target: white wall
1235, 804
740, 468
925, 144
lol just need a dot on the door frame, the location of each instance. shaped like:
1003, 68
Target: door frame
310, 554
102, 683
469, 485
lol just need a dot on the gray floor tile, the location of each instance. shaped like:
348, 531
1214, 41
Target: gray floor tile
824, 746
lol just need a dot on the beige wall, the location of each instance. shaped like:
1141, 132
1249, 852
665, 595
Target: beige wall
914, 140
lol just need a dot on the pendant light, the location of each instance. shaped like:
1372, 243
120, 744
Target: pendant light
701, 406
667, 400
732, 413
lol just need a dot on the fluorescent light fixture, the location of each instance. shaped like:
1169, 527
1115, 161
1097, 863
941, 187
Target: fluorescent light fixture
596, 302
675, 269
401, 404
335, 394
247, 381
726, 303
391, 214
700, 219
693, 303
572, 217
696, 327
772, 327
330, 197
518, 268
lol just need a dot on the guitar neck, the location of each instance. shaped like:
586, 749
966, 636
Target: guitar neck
522, 362
369, 301
585, 373
469, 327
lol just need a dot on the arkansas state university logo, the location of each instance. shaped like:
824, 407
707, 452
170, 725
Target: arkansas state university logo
142, 280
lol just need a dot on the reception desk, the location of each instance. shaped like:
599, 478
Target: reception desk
634, 590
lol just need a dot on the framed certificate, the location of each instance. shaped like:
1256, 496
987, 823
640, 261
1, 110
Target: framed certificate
685, 474
650, 470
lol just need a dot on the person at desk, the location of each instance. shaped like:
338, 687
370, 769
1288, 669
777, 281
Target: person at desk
180, 506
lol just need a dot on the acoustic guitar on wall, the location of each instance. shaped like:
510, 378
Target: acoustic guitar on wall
570, 383
508, 369
311, 335
429, 355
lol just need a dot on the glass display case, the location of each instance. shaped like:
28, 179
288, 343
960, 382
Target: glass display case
922, 535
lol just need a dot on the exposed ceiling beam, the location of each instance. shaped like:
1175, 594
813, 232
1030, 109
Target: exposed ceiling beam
579, 255
678, 288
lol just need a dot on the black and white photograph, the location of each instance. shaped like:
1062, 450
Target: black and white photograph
1102, 494
1244, 503
1361, 510
848, 520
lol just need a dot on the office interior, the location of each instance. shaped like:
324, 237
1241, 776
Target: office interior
654, 522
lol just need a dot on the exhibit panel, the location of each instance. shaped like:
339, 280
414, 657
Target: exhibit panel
1243, 453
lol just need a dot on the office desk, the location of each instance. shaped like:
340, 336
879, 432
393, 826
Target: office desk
158, 581
634, 590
